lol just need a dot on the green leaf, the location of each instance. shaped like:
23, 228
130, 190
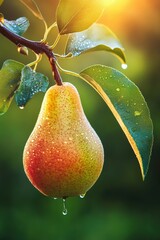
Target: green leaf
96, 38
32, 6
128, 106
18, 26
31, 83
76, 16
1, 1
9, 80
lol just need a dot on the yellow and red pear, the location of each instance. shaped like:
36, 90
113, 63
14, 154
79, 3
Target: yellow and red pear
63, 156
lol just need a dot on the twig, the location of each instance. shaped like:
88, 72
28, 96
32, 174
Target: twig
36, 46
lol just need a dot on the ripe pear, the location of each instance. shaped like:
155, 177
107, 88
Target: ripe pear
63, 156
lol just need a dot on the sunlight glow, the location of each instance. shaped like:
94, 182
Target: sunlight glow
115, 3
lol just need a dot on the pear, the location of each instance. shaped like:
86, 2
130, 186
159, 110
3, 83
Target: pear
63, 156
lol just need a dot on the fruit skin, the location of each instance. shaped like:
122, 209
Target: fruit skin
63, 156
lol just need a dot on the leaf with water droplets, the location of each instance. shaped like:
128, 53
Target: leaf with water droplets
31, 83
9, 80
128, 107
18, 26
76, 16
32, 6
96, 38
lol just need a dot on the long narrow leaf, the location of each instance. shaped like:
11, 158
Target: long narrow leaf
127, 105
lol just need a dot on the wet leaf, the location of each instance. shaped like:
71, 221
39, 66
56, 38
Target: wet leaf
10, 74
31, 83
18, 26
32, 6
128, 106
96, 38
77, 16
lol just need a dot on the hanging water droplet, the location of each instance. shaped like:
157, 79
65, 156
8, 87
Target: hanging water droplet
64, 212
124, 65
82, 195
21, 107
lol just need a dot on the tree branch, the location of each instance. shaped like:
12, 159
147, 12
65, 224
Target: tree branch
35, 46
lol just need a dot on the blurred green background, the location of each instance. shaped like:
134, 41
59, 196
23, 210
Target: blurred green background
119, 206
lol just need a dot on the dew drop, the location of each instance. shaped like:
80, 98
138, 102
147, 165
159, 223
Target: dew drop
21, 107
137, 113
124, 66
117, 89
64, 212
82, 195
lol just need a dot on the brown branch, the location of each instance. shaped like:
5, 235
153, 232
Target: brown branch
35, 46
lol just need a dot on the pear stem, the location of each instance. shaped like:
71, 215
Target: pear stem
37, 47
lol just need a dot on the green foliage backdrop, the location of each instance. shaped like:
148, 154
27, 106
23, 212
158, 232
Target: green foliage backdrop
120, 206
